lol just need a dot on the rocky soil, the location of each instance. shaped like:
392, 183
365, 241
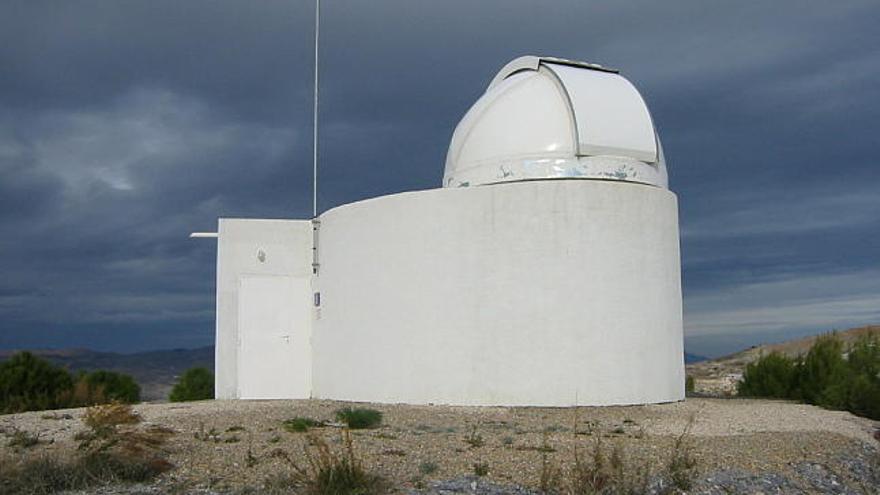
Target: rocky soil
740, 446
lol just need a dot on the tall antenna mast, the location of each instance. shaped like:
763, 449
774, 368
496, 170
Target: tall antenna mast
315, 115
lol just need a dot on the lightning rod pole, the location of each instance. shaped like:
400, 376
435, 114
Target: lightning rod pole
315, 115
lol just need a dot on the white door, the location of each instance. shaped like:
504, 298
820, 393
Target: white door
274, 321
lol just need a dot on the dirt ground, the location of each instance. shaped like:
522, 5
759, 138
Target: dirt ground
228, 445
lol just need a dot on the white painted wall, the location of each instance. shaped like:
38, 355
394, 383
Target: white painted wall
554, 293
269, 261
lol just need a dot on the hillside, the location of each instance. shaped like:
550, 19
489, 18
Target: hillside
155, 371
719, 376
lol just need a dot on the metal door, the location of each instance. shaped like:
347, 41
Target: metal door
274, 321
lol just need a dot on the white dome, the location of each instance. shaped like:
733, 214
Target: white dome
545, 118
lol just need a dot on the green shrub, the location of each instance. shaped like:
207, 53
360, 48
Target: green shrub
194, 384
359, 418
826, 376
863, 397
28, 383
102, 387
823, 368
300, 424
428, 467
772, 375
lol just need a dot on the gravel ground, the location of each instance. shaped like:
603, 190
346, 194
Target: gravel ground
741, 446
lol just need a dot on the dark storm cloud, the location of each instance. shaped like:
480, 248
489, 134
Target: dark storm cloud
126, 125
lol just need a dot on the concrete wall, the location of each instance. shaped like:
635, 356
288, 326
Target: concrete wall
554, 293
248, 249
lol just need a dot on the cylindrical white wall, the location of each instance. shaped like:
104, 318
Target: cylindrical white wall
551, 293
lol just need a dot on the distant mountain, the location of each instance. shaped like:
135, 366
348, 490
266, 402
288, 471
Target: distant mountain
155, 371
791, 348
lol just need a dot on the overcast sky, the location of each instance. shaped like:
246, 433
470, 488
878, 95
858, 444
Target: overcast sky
126, 125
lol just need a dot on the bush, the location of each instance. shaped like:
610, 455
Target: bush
773, 375
109, 386
28, 383
822, 369
102, 387
359, 418
826, 376
194, 384
863, 397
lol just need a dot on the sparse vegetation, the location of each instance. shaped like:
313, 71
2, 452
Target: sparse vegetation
544, 448
329, 472
427, 468
102, 387
194, 384
22, 439
474, 439
300, 424
689, 384
610, 470
601, 473
211, 435
29, 383
111, 451
682, 463
481, 468
250, 460
359, 418
108, 417
829, 376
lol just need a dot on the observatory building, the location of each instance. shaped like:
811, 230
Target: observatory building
544, 272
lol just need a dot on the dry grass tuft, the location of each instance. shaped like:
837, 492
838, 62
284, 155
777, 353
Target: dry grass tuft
110, 415
327, 472
682, 462
474, 438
